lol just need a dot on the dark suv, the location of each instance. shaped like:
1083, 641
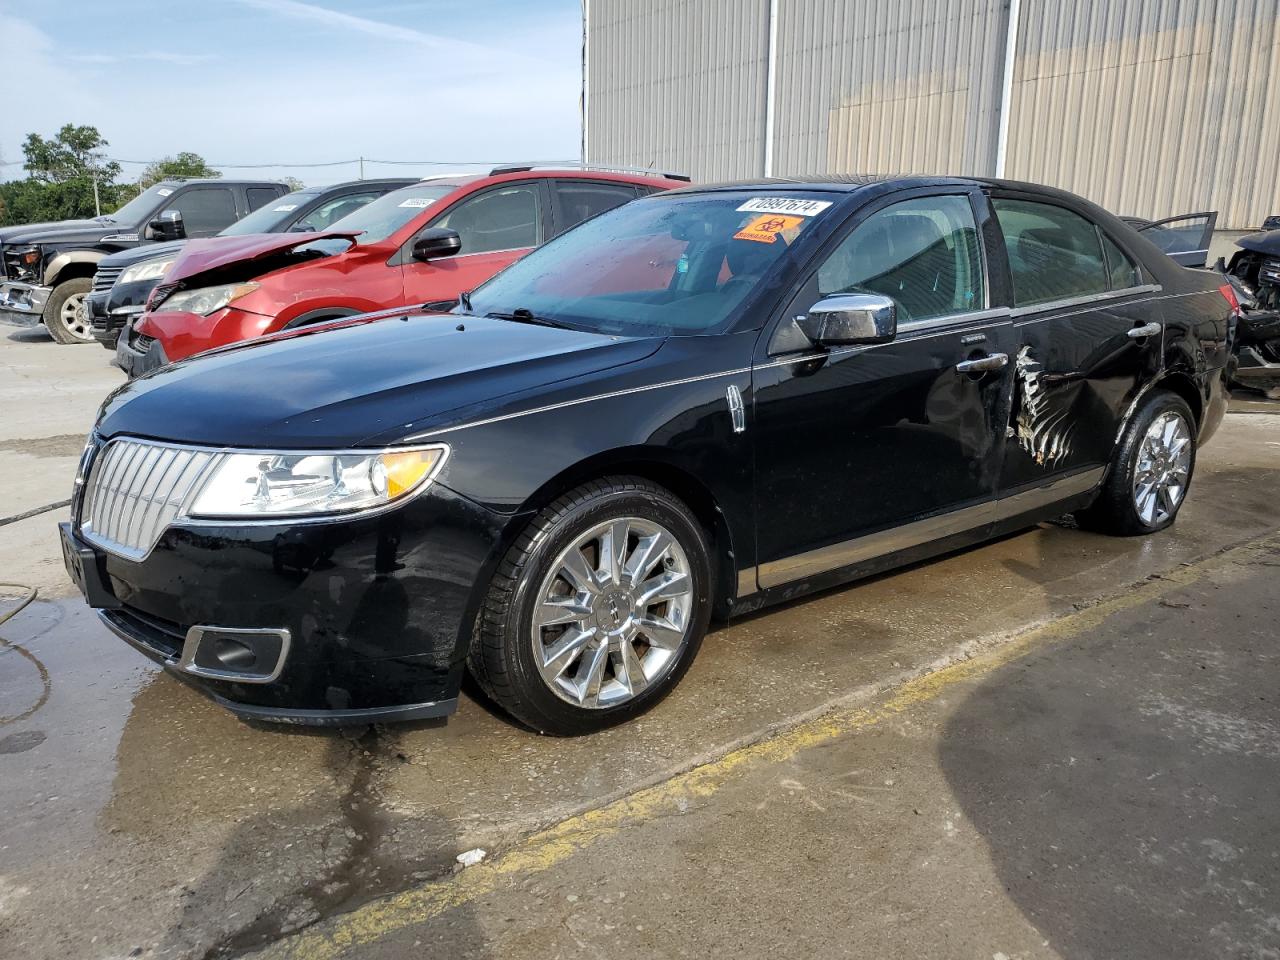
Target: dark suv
46, 269
124, 280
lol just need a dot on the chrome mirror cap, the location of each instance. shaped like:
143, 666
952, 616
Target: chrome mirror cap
849, 318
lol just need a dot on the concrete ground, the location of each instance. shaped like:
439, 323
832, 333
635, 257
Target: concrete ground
1055, 745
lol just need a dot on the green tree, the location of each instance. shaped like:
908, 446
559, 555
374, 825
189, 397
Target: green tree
293, 183
61, 175
185, 164
73, 153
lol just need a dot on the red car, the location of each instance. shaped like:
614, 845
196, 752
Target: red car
425, 243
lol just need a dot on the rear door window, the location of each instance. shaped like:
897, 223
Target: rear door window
922, 253
579, 200
1121, 269
504, 218
1054, 253
257, 196
205, 210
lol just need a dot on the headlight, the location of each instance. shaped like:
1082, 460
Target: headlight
292, 484
147, 270
207, 300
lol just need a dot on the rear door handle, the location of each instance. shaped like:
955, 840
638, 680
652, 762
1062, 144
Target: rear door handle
1146, 330
992, 361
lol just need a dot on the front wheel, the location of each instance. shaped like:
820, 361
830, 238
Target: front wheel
1151, 471
597, 609
66, 314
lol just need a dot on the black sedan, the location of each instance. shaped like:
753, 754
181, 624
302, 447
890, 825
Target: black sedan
698, 403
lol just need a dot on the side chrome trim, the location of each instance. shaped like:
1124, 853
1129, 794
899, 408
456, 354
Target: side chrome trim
1045, 494
746, 582
871, 546
874, 545
573, 403
1087, 300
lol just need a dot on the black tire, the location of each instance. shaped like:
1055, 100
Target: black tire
1115, 511
53, 308
501, 658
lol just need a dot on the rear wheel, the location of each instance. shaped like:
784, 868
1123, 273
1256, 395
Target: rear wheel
66, 315
597, 610
1151, 471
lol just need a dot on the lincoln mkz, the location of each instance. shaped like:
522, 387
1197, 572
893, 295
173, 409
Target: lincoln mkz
696, 404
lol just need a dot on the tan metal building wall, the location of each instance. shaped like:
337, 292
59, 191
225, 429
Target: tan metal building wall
1152, 108
678, 85
1149, 107
885, 87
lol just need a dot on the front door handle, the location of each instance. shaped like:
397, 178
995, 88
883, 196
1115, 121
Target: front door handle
992, 361
1146, 330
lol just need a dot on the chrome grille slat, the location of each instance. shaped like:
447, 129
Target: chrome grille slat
118, 499
105, 278
136, 490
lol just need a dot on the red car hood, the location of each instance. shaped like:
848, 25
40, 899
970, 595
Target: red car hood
201, 256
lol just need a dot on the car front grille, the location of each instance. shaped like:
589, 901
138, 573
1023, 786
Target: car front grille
106, 278
1270, 270
136, 488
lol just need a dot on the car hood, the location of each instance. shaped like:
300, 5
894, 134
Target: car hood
205, 256
148, 251
344, 384
61, 230
1268, 242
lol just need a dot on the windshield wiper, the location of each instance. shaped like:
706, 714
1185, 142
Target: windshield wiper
524, 315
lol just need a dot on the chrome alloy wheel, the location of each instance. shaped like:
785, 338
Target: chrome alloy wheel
74, 315
1164, 463
612, 616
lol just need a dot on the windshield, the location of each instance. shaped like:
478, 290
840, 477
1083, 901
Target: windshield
658, 266
140, 206
389, 213
268, 217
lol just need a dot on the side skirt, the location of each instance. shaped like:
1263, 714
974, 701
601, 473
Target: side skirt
924, 540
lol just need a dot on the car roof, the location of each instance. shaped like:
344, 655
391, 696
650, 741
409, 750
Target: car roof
850, 183
502, 175
391, 182
188, 181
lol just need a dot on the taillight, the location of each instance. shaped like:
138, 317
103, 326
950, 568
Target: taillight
1229, 294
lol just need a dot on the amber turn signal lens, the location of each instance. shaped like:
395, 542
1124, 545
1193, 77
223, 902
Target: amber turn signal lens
405, 470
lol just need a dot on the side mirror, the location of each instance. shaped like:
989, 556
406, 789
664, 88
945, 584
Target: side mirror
168, 226
436, 242
850, 318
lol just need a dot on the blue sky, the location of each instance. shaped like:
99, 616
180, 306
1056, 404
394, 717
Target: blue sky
297, 81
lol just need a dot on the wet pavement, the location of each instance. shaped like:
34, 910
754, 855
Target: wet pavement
140, 819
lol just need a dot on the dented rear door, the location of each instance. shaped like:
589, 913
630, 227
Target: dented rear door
1088, 332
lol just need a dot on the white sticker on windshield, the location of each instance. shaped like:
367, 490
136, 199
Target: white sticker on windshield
416, 202
284, 208
799, 208
164, 191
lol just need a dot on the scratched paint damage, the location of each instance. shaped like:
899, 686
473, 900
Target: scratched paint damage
1044, 426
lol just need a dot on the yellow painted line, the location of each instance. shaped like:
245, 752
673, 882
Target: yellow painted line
541, 851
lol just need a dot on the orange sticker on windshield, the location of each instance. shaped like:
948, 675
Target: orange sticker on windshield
765, 228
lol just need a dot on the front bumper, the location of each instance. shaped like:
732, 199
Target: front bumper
23, 303
137, 353
376, 610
